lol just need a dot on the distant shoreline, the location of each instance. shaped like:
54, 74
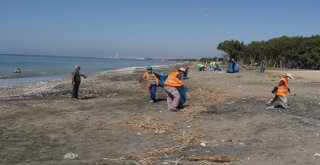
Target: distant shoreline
110, 57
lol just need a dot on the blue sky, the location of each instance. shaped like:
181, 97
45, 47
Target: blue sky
148, 28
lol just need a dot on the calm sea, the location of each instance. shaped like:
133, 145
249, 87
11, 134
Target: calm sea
37, 69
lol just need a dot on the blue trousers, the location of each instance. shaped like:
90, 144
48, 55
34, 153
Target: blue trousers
153, 90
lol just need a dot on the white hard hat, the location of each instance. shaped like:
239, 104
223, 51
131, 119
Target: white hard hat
182, 69
289, 75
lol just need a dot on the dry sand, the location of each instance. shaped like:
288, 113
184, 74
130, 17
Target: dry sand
225, 115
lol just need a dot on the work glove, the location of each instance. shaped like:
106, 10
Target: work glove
274, 90
289, 90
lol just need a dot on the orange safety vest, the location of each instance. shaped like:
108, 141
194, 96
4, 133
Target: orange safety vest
172, 80
283, 89
147, 76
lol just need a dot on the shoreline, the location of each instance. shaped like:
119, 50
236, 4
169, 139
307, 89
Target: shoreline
42, 88
37, 69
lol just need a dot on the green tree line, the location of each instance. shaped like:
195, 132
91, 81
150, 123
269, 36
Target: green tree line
208, 59
289, 52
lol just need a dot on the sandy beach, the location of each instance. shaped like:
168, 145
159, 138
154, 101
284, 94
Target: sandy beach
113, 123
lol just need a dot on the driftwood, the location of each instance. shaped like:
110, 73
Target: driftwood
209, 158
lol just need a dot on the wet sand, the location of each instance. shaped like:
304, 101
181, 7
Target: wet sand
225, 115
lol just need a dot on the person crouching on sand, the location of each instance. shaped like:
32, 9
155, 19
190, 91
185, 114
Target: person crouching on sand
281, 90
76, 80
153, 82
171, 84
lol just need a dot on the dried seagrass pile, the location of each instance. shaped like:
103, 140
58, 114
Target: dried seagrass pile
192, 109
149, 157
188, 137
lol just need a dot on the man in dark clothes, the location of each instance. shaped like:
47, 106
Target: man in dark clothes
76, 80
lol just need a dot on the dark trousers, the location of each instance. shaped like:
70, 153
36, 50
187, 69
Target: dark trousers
75, 90
153, 90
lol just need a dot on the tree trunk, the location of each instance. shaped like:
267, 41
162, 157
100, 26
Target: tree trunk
252, 62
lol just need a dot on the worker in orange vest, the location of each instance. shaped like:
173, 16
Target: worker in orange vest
171, 84
153, 82
281, 90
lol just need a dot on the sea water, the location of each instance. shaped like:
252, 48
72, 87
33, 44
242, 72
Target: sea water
37, 69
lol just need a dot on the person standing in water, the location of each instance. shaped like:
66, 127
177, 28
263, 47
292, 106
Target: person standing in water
17, 71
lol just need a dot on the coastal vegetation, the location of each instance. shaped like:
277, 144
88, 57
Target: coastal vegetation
290, 52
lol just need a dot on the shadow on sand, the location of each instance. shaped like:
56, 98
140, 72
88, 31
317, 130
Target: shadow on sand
88, 97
